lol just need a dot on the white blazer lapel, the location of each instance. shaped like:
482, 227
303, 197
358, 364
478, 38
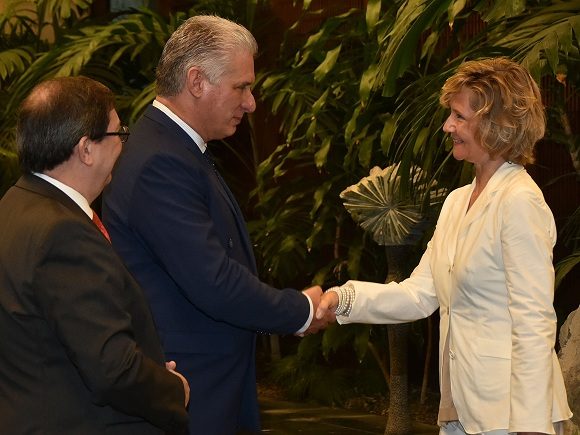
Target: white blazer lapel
454, 229
480, 206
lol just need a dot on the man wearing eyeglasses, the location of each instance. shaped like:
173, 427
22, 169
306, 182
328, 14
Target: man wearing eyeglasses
79, 353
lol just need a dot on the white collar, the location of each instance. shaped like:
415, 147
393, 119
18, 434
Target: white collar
190, 131
79, 199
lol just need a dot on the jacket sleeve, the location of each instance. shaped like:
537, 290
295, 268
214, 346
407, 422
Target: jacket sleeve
412, 299
528, 234
80, 288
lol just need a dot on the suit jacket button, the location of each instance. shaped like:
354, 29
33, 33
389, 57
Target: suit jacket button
451, 354
230, 243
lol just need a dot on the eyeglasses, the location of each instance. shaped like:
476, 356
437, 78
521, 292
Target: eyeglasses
123, 133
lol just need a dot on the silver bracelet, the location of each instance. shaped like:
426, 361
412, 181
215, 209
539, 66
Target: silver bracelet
346, 294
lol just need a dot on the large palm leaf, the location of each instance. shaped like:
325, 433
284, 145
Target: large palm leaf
391, 215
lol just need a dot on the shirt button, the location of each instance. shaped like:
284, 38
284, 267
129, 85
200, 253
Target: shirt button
451, 354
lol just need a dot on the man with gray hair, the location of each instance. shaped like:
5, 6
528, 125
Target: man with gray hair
179, 229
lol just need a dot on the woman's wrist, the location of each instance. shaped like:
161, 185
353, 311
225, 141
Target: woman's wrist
346, 294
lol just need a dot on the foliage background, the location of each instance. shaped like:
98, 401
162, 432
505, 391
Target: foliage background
344, 87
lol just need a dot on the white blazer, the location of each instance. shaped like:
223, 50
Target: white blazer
489, 270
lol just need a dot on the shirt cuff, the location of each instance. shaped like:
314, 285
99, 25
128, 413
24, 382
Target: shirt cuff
309, 320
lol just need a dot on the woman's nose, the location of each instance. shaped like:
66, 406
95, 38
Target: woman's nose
448, 125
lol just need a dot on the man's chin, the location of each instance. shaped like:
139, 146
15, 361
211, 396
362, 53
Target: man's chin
232, 130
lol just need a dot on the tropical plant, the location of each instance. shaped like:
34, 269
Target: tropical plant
392, 216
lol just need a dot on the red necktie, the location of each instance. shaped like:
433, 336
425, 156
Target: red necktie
100, 226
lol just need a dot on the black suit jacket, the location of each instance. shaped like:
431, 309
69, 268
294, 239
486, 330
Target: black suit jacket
182, 235
78, 350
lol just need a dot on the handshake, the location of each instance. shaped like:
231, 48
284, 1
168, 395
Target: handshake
324, 305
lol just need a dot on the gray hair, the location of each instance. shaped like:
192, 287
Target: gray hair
203, 41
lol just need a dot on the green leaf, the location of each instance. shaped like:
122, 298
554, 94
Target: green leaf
565, 265
319, 195
278, 100
399, 47
270, 81
365, 150
354, 258
549, 31
322, 154
388, 133
311, 132
13, 61
502, 10
552, 51
455, 8
361, 342
367, 82
351, 125
421, 140
318, 104
429, 44
327, 64
372, 14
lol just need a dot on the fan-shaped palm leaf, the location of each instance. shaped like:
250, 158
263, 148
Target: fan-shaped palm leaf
392, 216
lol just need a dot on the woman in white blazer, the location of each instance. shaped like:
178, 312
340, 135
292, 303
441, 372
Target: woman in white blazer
488, 267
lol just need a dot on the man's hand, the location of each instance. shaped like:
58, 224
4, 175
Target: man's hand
318, 323
171, 365
327, 305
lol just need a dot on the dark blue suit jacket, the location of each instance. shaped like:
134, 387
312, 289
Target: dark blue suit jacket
182, 235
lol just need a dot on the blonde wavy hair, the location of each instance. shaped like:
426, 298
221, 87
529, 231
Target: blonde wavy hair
508, 103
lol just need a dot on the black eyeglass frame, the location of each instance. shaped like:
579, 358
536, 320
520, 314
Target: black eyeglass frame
123, 133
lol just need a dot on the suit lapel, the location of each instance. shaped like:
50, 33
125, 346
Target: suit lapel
477, 210
207, 162
181, 136
455, 226
464, 219
233, 204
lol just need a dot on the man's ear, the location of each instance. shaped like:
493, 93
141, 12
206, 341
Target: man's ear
84, 150
195, 81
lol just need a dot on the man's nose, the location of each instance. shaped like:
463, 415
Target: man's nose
249, 104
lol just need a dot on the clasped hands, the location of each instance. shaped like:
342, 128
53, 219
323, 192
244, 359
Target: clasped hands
324, 305
171, 366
